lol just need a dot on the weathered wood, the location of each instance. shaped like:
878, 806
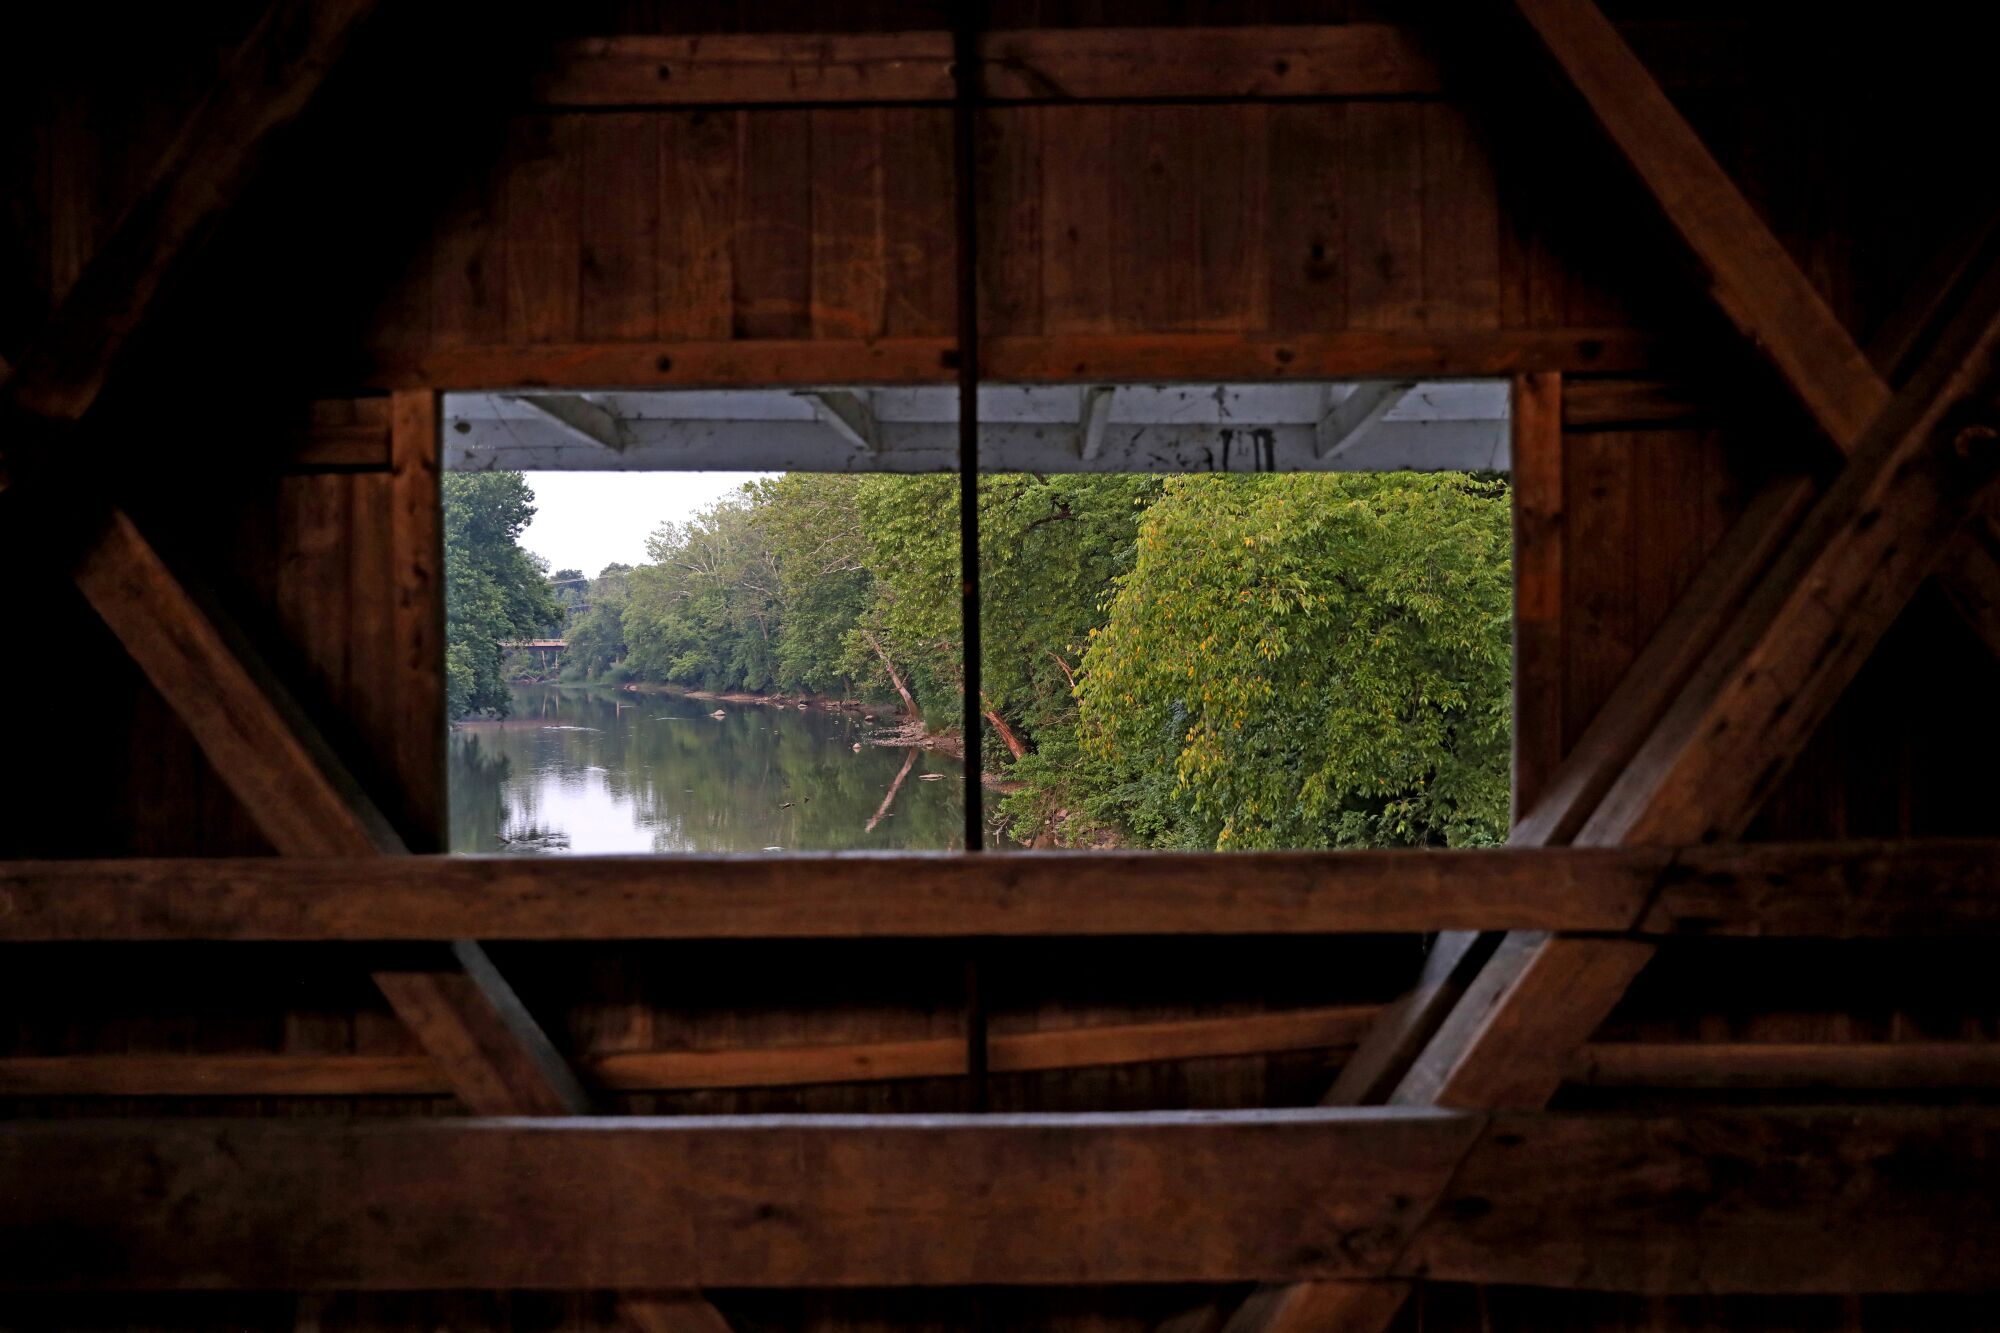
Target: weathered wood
1848, 1066
756, 1201
1829, 890
1753, 279
1313, 1307
1817, 613
1139, 358
1601, 404
340, 434
1506, 1042
264, 86
256, 739
1233, 63
1091, 1046
1399, 1035
747, 69
1535, 420
1681, 644
669, 1312
1845, 1066
496, 1057
415, 705
1746, 1201
1766, 1201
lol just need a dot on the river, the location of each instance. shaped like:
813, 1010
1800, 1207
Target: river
584, 770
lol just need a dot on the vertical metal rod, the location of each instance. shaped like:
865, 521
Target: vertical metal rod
965, 125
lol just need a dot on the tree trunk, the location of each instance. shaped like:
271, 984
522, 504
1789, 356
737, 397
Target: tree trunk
895, 677
1006, 733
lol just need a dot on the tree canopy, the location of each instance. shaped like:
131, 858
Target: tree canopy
1302, 660
494, 590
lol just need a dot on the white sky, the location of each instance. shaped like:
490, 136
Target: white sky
586, 520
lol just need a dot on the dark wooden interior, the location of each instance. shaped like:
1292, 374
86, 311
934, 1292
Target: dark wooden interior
1712, 1046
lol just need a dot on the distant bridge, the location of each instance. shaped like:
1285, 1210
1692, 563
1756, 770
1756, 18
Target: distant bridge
541, 645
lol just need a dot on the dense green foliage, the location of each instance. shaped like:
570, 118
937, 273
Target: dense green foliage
1298, 660
494, 590
1308, 660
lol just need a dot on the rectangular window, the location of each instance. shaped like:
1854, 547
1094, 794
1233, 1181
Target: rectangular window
1212, 615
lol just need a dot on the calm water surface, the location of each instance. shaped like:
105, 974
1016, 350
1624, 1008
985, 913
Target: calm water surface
597, 770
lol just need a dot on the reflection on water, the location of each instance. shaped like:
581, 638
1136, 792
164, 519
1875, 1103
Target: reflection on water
588, 770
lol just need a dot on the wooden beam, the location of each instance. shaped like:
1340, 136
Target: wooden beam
255, 738
1882, 1066
1348, 420
1037, 65
1846, 1065
849, 414
1313, 1307
1013, 358
1753, 278
1818, 612
1796, 1201
1839, 1200
1399, 1035
1839, 890
577, 417
1535, 995
1092, 1046
1093, 416
496, 1057
1683, 642
266, 83
1747, 709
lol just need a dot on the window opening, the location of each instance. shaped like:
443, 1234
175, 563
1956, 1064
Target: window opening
808, 595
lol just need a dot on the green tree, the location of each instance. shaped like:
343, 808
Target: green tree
494, 590
1308, 660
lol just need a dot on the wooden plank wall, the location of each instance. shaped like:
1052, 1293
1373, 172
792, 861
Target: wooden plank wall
833, 226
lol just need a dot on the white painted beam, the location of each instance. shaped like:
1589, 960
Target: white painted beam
1092, 417
578, 417
848, 412
1346, 422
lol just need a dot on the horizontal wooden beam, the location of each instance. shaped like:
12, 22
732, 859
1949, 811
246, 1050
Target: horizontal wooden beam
1083, 64
1740, 1201
1845, 1065
1801, 889
316, 1075
1832, 890
1016, 358
1885, 1066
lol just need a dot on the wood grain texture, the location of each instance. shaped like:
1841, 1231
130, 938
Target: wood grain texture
1068, 358
649, 1070
1754, 279
495, 1056
1682, 643
739, 1201
1792, 1201
1892, 1199
1535, 423
1507, 1041
1838, 890
1114, 64
1816, 614
266, 84
256, 739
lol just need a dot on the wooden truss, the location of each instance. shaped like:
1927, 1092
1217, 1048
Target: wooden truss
1447, 1181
